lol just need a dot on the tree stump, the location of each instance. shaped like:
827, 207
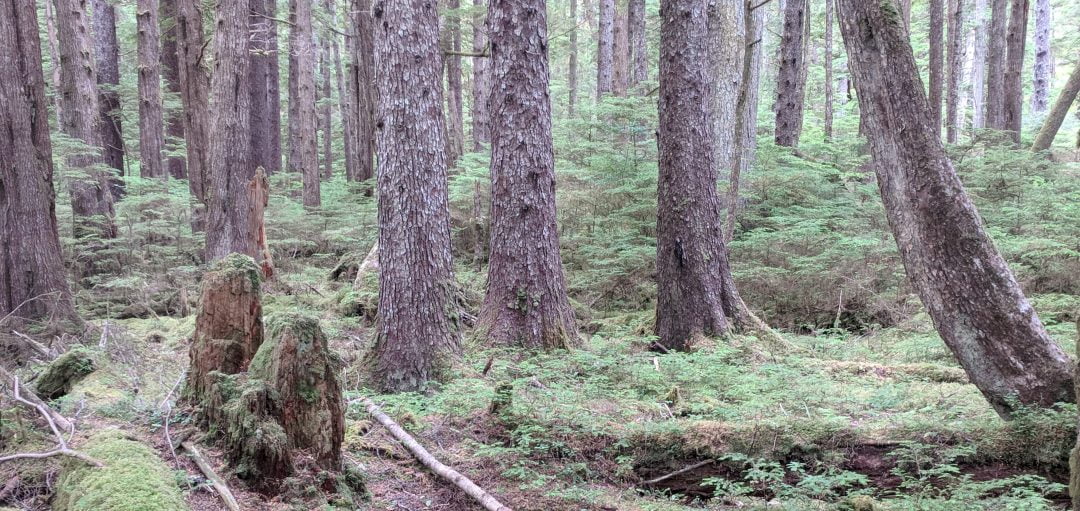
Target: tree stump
228, 327
255, 443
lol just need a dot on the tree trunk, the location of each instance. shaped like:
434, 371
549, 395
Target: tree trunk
1044, 60
455, 135
91, 194
695, 292
995, 66
980, 57
262, 37
170, 71
829, 71
230, 227
362, 82
973, 298
1057, 114
345, 96
416, 334
151, 119
481, 126
753, 55
32, 274
325, 112
1014, 68
937, 61
107, 59
639, 51
953, 105
526, 303
725, 48
273, 93
194, 95
304, 145
54, 57
605, 51
791, 79
620, 75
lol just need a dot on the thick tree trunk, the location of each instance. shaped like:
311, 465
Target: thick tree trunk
995, 66
455, 117
304, 145
937, 61
170, 71
639, 51
953, 104
1016, 41
481, 125
695, 292
91, 194
620, 75
151, 119
194, 95
262, 35
416, 334
325, 112
791, 78
526, 303
1044, 60
1056, 116
362, 83
32, 275
971, 295
725, 48
230, 227
980, 57
107, 60
829, 85
605, 51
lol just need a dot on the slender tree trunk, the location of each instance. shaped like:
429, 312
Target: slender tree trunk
32, 275
325, 112
937, 61
980, 57
456, 117
995, 66
572, 66
194, 95
305, 149
91, 196
1056, 116
415, 337
620, 75
107, 60
259, 78
481, 128
1044, 60
54, 57
639, 52
791, 78
695, 291
725, 50
526, 303
746, 106
973, 298
828, 71
151, 119
170, 71
363, 82
230, 226
292, 146
1014, 68
953, 105
273, 93
345, 98
605, 51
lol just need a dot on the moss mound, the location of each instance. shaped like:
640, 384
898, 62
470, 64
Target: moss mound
133, 479
65, 372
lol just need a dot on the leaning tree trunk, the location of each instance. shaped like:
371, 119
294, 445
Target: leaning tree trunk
605, 51
1044, 60
362, 81
455, 134
695, 291
194, 95
937, 61
107, 59
995, 66
230, 227
639, 52
91, 197
32, 275
790, 79
953, 104
1057, 114
416, 334
304, 145
1014, 69
262, 35
170, 72
151, 119
971, 295
978, 67
481, 127
526, 303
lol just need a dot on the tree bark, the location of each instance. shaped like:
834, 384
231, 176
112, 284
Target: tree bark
695, 291
953, 104
791, 78
481, 125
345, 96
620, 76
416, 334
91, 194
1016, 41
995, 66
325, 112
292, 146
937, 61
746, 106
170, 71
32, 275
526, 303
1044, 60
194, 95
230, 228
829, 71
455, 135
263, 37
971, 295
725, 48
362, 83
639, 52
107, 60
304, 145
980, 56
151, 119
605, 51
1056, 116
54, 57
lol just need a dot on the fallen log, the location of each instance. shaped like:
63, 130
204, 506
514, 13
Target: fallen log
215, 480
423, 456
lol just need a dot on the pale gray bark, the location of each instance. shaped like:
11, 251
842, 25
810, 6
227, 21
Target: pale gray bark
1044, 60
605, 52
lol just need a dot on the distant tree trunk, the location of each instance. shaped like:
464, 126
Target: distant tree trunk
259, 80
415, 337
605, 52
325, 112
639, 52
273, 93
292, 147
32, 275
107, 60
54, 57
230, 227
953, 105
979, 60
305, 149
455, 138
973, 298
91, 197
526, 303
620, 75
345, 96
151, 119
937, 61
362, 81
194, 95
1014, 68
791, 79
481, 126
995, 66
1044, 60
725, 48
1056, 116
905, 11
829, 71
695, 291
753, 56
170, 71
572, 66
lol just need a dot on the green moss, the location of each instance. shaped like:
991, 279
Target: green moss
65, 371
133, 479
239, 263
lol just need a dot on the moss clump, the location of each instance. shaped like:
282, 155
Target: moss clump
133, 479
65, 372
258, 449
238, 263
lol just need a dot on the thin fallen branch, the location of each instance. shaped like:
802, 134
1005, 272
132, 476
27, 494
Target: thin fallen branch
37, 346
35, 402
62, 448
652, 482
215, 480
423, 456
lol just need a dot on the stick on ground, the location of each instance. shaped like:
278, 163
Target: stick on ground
215, 480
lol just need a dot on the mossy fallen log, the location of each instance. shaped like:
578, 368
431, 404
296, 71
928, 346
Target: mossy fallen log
64, 372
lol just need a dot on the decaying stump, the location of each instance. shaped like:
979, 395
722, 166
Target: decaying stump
228, 327
255, 443
65, 372
370, 265
259, 189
